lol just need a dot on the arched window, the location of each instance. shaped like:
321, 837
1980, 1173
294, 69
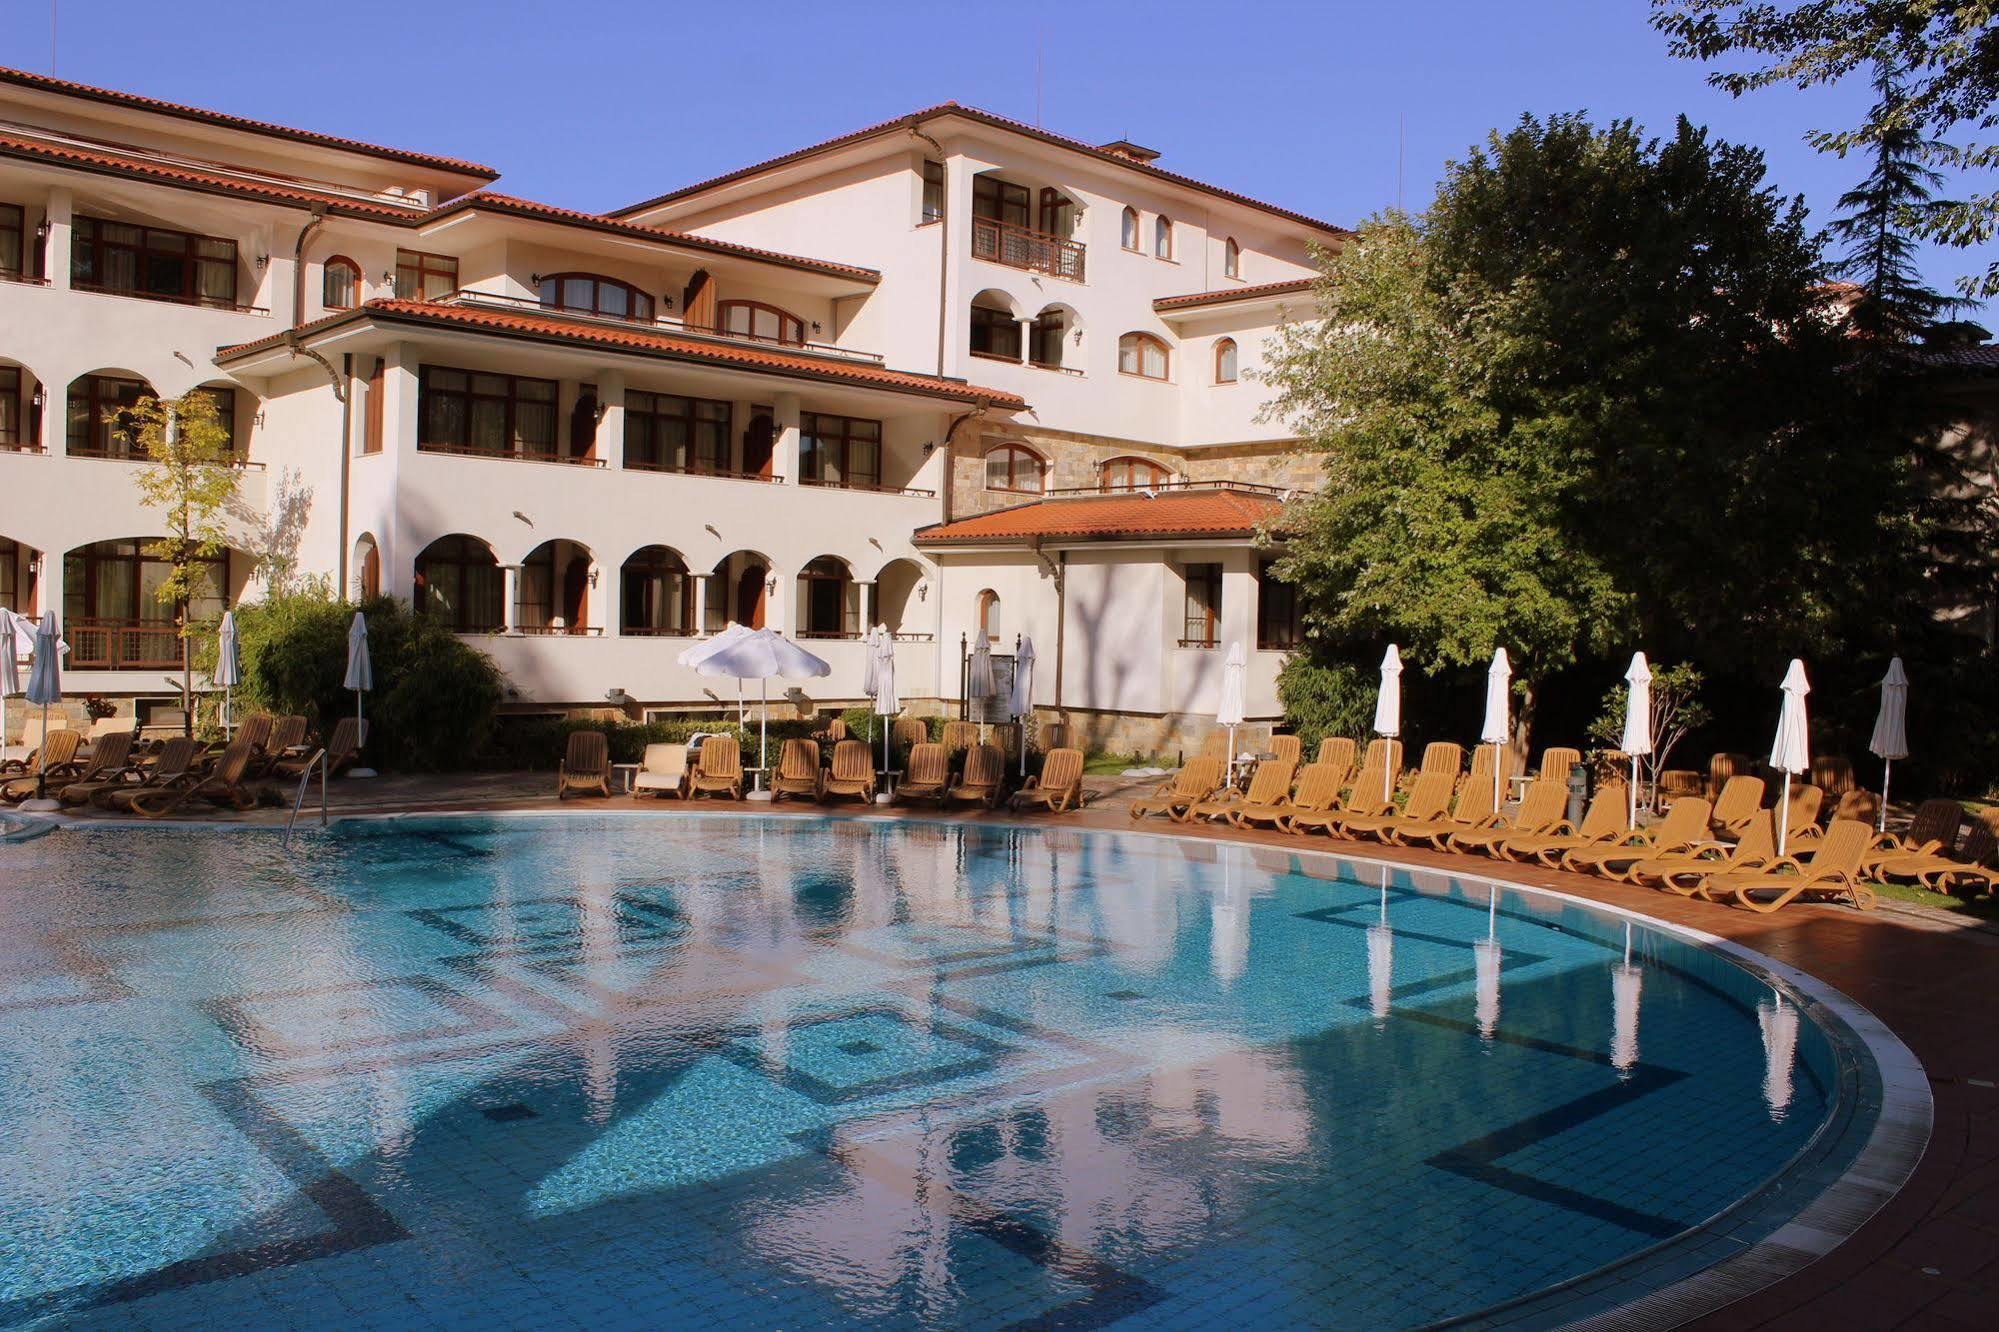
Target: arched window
658, 595
1225, 361
829, 603
1045, 337
989, 615
1132, 474
340, 283
1231, 258
1129, 229
368, 578
100, 416
1015, 468
1162, 237
458, 584
590, 294
995, 331
1143, 355
760, 322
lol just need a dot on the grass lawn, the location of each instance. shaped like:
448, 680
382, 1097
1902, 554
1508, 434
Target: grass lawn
1981, 908
1110, 765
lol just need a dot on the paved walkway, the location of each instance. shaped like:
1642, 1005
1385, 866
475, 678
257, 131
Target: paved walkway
1930, 1259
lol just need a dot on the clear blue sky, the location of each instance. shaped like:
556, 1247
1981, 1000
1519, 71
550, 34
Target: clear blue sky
592, 104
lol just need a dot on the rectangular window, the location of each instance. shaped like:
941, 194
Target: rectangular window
153, 262
425, 277
100, 423
840, 451
1276, 611
13, 239
933, 191
1204, 605
371, 414
10, 407
668, 433
464, 411
995, 333
999, 200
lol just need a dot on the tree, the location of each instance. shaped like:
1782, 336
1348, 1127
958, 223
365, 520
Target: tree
192, 479
1948, 48
1588, 401
1676, 710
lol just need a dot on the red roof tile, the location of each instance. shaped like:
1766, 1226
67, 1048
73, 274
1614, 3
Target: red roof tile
554, 327
1228, 294
916, 118
215, 182
1173, 513
42, 82
493, 201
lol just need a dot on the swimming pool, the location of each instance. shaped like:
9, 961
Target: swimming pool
596, 1071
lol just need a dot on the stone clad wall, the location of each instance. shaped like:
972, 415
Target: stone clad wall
1074, 460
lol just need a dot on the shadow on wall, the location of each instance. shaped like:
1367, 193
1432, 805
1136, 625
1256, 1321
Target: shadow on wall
276, 533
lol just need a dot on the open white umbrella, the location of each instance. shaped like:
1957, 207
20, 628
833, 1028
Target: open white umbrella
1791, 751
228, 664
1234, 704
10, 669
762, 655
1021, 704
979, 682
1891, 729
881, 683
1637, 720
696, 653
360, 678
45, 688
1498, 719
1388, 709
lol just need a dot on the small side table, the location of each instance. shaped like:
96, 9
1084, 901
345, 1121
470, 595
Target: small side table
631, 771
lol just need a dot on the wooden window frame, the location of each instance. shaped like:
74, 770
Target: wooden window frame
1277, 626
93, 554
670, 565
336, 263
710, 432
1131, 463
634, 296
461, 622
1014, 451
1222, 345
1162, 237
90, 251
932, 174
992, 192
1201, 616
371, 411
13, 423
843, 579
988, 602
510, 413
838, 441
1039, 329
1132, 239
1142, 341
1231, 259
14, 222
785, 318
424, 265
989, 321
82, 442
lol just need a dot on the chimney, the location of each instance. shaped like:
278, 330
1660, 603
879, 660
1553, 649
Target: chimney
1130, 151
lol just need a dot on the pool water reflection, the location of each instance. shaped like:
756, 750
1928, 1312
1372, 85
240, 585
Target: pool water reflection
603, 1071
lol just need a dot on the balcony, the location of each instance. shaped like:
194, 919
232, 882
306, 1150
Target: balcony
497, 300
1024, 248
120, 645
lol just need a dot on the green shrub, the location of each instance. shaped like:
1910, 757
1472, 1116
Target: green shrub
1323, 698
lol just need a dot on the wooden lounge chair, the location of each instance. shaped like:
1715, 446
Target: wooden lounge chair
1946, 871
1736, 807
1473, 809
1429, 801
1337, 751
256, 728
1556, 762
56, 756
834, 730
1607, 817
1540, 813
1721, 767
798, 773
1287, 747
287, 735
1443, 756
1832, 870
1214, 745
34, 735
342, 748
1365, 800
1318, 789
1933, 827
586, 765
174, 764
1381, 755
907, 734
928, 776
225, 786
853, 773
1059, 785
1187, 788
1684, 872
959, 736
718, 768
1803, 811
1833, 775
1270, 783
1482, 757
662, 773
110, 765
984, 779
1684, 828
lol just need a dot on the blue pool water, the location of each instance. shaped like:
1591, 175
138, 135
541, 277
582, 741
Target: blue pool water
680, 1071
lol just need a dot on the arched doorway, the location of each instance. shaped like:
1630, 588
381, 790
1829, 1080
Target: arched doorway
759, 443
829, 604
554, 590
583, 419
750, 595
458, 583
658, 594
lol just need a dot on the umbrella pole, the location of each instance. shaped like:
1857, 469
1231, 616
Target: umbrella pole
1387, 784
1634, 791
1887, 765
1498, 750
1784, 815
42, 774
763, 729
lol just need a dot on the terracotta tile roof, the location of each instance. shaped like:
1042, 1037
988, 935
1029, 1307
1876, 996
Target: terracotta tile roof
1980, 359
555, 328
1174, 513
495, 202
917, 118
1228, 294
106, 161
42, 82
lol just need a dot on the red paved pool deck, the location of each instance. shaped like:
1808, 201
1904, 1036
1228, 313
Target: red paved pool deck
1929, 1259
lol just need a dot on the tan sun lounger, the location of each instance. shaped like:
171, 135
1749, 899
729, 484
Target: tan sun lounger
1540, 813
718, 768
1607, 817
853, 772
984, 779
1059, 784
110, 765
928, 776
797, 771
1365, 800
1832, 870
662, 773
1684, 828
1187, 788
1270, 783
174, 764
225, 786
1337, 751
1737, 806
1684, 872
56, 756
1474, 809
1318, 789
1428, 801
586, 765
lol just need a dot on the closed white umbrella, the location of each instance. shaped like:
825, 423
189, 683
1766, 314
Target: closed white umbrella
1498, 714
881, 684
360, 678
979, 682
1791, 751
1891, 729
872, 640
762, 655
45, 688
228, 663
1388, 709
1234, 703
1637, 720
10, 670
1021, 704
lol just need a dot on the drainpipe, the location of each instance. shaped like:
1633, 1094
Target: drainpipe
298, 262
337, 378
943, 254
